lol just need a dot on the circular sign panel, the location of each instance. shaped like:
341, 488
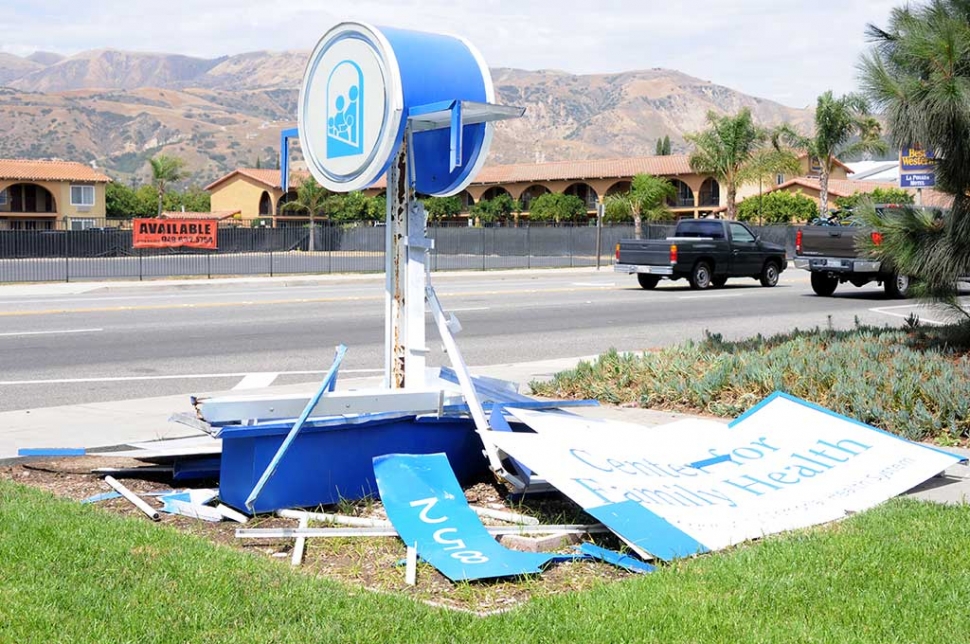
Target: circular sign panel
351, 106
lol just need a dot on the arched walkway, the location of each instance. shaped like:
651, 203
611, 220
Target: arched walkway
531, 193
684, 197
265, 205
493, 192
585, 192
30, 198
710, 193
619, 188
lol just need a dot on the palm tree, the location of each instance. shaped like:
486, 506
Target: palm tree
918, 75
766, 164
165, 170
727, 149
837, 122
647, 198
311, 198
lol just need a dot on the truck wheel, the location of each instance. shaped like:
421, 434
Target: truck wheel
897, 286
823, 284
769, 274
647, 281
700, 277
719, 281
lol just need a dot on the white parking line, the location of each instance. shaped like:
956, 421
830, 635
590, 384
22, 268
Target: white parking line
913, 310
706, 297
63, 381
20, 333
256, 381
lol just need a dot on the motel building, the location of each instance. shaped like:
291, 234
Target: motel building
259, 193
50, 195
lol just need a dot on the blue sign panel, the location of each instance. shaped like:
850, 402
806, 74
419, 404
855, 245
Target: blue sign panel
916, 167
428, 509
360, 86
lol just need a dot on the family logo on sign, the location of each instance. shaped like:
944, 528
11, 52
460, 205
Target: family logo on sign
345, 100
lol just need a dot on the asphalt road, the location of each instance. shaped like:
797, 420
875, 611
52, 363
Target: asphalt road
59, 346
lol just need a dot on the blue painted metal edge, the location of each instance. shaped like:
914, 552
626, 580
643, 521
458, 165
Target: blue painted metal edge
324, 423
285, 136
647, 530
456, 136
285, 445
816, 407
617, 559
51, 451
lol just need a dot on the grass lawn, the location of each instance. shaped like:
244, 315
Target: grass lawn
73, 573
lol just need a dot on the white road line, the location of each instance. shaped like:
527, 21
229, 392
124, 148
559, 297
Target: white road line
705, 297
20, 333
63, 381
914, 310
596, 284
470, 308
256, 381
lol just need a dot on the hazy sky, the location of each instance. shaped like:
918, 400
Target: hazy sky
786, 50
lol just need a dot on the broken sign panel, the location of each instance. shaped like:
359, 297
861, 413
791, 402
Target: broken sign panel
427, 506
671, 494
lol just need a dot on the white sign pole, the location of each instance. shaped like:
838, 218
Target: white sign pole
395, 269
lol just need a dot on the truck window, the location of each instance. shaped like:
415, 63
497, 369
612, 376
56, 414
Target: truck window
700, 228
741, 234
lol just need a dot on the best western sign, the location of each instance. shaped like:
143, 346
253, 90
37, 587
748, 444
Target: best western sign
161, 233
917, 167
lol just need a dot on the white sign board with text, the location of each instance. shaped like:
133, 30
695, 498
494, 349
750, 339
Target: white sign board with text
694, 486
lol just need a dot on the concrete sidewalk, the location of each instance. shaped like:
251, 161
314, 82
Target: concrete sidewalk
108, 424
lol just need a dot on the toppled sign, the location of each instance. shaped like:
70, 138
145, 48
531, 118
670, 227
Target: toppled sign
669, 492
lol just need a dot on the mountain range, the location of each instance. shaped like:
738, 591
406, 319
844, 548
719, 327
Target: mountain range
116, 109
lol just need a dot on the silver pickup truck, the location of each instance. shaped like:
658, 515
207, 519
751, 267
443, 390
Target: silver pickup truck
831, 253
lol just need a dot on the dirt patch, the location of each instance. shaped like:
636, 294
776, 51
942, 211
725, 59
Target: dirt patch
371, 563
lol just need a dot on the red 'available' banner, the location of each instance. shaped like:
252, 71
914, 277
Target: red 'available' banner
166, 233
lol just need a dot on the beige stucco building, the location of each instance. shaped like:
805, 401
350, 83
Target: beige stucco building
46, 195
259, 193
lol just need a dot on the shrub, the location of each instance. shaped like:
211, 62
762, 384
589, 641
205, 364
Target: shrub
778, 207
885, 377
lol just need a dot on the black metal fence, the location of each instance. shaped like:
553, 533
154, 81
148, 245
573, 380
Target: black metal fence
106, 252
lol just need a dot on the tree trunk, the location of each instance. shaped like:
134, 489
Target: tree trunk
732, 208
823, 192
159, 204
310, 245
637, 226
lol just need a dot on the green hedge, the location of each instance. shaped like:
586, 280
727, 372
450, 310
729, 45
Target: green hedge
893, 379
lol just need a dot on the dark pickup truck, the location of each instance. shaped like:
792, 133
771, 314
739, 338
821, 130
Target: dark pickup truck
830, 251
704, 251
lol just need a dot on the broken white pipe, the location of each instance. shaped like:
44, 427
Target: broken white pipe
292, 533
340, 519
134, 498
411, 571
501, 515
300, 544
229, 513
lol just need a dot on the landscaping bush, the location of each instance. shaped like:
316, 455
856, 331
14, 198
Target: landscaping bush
901, 381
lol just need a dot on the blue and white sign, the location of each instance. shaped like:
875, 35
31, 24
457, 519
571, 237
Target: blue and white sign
360, 86
427, 506
694, 486
917, 167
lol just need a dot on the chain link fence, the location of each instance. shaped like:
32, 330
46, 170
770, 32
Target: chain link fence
104, 251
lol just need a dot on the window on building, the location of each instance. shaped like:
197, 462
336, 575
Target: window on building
3, 197
82, 196
81, 224
780, 179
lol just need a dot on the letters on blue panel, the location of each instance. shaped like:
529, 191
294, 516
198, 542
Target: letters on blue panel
647, 531
428, 509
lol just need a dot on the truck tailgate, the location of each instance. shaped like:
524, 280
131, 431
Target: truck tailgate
655, 252
829, 241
